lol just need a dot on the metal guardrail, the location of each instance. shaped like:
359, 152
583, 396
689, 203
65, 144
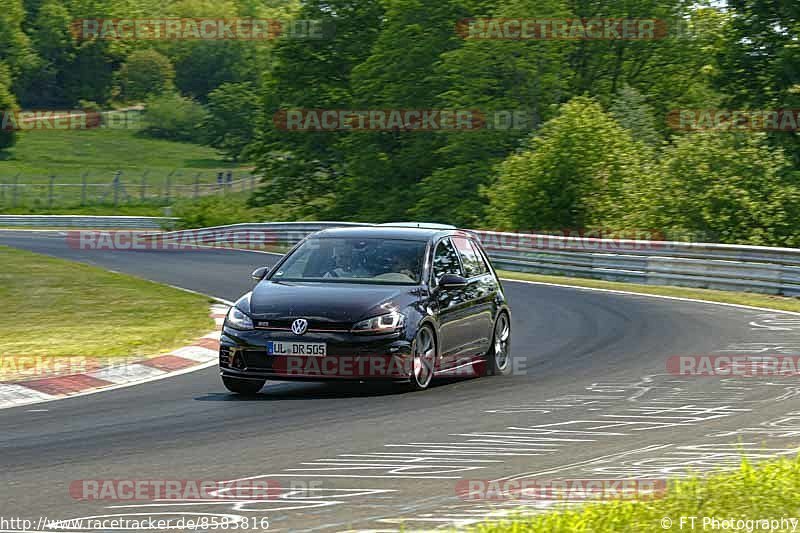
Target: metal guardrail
249, 234
83, 221
703, 265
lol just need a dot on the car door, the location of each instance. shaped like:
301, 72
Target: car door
451, 305
479, 296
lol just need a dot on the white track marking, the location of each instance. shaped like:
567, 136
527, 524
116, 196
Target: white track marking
124, 374
196, 353
12, 395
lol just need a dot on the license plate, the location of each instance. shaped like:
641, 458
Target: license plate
312, 349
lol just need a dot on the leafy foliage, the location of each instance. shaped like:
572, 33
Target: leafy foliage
723, 187
145, 73
575, 173
233, 112
171, 116
8, 104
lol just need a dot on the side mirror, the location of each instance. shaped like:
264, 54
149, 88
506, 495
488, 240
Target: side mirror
452, 281
259, 273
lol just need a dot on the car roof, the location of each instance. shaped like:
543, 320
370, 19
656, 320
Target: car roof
386, 232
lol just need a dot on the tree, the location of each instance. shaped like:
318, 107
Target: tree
759, 63
55, 45
301, 168
145, 73
398, 74
724, 187
14, 43
233, 110
631, 110
523, 79
577, 172
8, 104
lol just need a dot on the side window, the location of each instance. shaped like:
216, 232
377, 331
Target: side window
473, 262
445, 260
484, 268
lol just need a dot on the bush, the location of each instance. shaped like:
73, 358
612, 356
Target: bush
732, 188
575, 173
146, 73
172, 116
215, 211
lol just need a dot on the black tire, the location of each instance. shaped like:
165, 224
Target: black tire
417, 380
498, 357
243, 386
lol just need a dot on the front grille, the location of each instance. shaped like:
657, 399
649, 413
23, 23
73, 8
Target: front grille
313, 325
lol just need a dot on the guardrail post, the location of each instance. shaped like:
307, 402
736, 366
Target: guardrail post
83, 188
143, 187
50, 191
15, 191
229, 181
116, 187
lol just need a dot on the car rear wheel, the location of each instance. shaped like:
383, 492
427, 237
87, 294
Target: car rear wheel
498, 359
243, 386
424, 359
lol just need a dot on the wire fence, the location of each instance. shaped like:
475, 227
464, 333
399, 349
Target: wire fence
122, 190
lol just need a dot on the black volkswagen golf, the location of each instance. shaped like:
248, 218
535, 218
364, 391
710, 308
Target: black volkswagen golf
387, 302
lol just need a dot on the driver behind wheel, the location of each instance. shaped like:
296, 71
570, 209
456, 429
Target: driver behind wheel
342, 262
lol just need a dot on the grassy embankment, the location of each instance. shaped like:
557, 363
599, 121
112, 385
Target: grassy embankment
764, 491
62, 308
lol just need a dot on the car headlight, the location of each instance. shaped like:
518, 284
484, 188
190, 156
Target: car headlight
238, 320
380, 324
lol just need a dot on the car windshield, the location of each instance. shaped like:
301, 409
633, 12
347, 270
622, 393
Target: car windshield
353, 260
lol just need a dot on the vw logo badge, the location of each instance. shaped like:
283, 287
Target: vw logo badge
299, 326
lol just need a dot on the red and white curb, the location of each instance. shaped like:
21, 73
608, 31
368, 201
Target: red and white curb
202, 354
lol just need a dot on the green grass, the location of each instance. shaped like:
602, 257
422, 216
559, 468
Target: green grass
67, 154
764, 491
741, 298
142, 210
62, 308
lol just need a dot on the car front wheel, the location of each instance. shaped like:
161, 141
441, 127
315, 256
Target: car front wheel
424, 359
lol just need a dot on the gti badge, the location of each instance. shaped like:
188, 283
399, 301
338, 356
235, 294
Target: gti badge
299, 326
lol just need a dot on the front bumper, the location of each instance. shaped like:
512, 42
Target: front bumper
243, 354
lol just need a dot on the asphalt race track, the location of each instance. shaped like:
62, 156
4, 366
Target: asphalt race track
591, 398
